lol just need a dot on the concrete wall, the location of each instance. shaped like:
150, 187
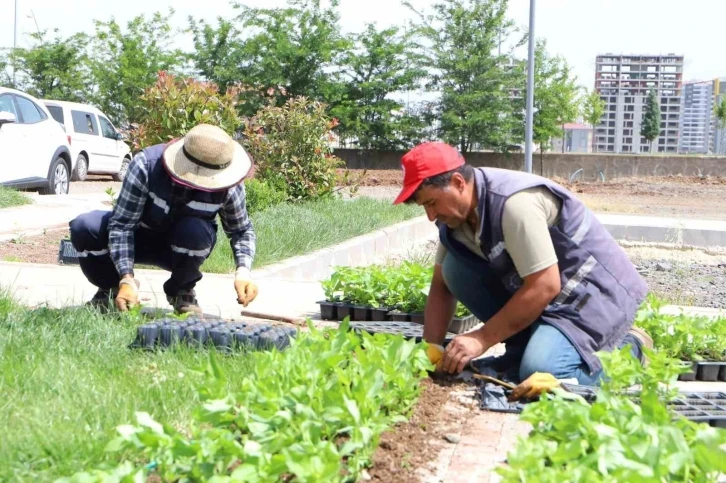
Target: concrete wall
559, 164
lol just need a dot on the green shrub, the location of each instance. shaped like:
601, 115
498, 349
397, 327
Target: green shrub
290, 146
261, 195
174, 105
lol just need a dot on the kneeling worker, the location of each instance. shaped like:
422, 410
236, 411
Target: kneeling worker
165, 216
528, 259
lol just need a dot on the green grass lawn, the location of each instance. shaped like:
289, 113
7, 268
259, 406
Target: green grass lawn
10, 197
67, 380
288, 230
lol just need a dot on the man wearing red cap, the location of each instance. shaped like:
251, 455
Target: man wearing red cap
526, 257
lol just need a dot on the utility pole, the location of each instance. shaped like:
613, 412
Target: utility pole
15, 36
530, 93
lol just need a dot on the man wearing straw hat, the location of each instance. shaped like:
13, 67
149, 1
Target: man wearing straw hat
166, 216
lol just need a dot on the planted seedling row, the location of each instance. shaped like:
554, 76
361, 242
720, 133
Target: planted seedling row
338, 311
168, 332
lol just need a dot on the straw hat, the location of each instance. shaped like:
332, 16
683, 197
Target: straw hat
207, 158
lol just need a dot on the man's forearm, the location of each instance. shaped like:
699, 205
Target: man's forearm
440, 308
121, 251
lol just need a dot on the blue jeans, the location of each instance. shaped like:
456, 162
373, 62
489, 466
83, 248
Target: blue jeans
539, 348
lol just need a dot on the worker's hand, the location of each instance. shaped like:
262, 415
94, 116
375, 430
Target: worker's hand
436, 355
244, 286
462, 350
534, 385
128, 294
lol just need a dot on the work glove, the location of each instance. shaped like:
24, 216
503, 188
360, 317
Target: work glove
436, 355
244, 286
534, 385
128, 294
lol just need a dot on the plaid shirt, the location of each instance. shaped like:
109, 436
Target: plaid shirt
130, 207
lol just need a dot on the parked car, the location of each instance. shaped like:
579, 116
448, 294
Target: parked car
96, 145
34, 149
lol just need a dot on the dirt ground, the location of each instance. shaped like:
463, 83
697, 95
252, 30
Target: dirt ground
668, 196
413, 444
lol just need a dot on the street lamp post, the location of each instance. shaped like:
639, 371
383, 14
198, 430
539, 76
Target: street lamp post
530, 93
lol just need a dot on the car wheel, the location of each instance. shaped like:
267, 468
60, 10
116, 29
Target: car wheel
81, 170
59, 179
122, 172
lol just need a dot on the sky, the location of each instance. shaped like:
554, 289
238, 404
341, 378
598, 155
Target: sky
578, 30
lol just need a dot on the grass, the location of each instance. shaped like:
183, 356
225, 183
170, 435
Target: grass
10, 197
67, 380
288, 230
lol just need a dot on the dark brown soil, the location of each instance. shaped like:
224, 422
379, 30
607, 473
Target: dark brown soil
33, 249
409, 446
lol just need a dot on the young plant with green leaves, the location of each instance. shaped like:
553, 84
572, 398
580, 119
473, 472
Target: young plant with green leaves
619, 437
651, 123
313, 412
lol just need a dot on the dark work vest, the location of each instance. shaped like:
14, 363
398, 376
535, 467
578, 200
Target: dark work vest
169, 201
601, 288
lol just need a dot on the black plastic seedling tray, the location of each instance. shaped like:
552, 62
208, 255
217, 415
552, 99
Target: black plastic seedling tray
702, 407
67, 255
227, 336
409, 330
705, 371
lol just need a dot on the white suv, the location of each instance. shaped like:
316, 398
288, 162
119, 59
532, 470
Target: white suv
96, 146
34, 149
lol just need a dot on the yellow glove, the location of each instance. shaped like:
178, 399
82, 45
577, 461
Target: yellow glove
534, 385
128, 294
246, 289
436, 354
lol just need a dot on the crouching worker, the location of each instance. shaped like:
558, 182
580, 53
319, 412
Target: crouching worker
165, 216
528, 259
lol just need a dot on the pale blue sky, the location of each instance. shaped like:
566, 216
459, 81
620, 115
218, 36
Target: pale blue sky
576, 29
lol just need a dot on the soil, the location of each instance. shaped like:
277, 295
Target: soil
413, 444
34, 249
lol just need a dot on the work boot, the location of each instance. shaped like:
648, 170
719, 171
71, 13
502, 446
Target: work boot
185, 301
104, 300
644, 340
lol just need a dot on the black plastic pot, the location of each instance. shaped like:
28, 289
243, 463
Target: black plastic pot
722, 373
379, 315
360, 312
221, 337
708, 371
397, 316
196, 335
67, 255
345, 310
689, 376
459, 325
416, 318
147, 335
170, 335
328, 310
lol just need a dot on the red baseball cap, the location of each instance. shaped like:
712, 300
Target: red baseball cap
424, 161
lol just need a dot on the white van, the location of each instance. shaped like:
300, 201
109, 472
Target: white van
96, 145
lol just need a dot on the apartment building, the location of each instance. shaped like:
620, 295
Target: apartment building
697, 125
623, 82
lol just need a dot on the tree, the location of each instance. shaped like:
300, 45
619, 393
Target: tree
293, 48
593, 108
125, 62
53, 69
461, 44
555, 97
217, 51
380, 65
650, 125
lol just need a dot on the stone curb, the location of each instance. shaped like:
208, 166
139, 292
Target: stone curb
358, 251
700, 233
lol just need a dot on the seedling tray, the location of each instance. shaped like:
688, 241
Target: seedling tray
410, 330
458, 325
705, 371
227, 336
67, 255
702, 407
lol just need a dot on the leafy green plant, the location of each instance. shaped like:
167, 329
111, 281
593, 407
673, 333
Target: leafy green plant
619, 437
261, 195
291, 147
685, 337
174, 105
404, 288
311, 413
